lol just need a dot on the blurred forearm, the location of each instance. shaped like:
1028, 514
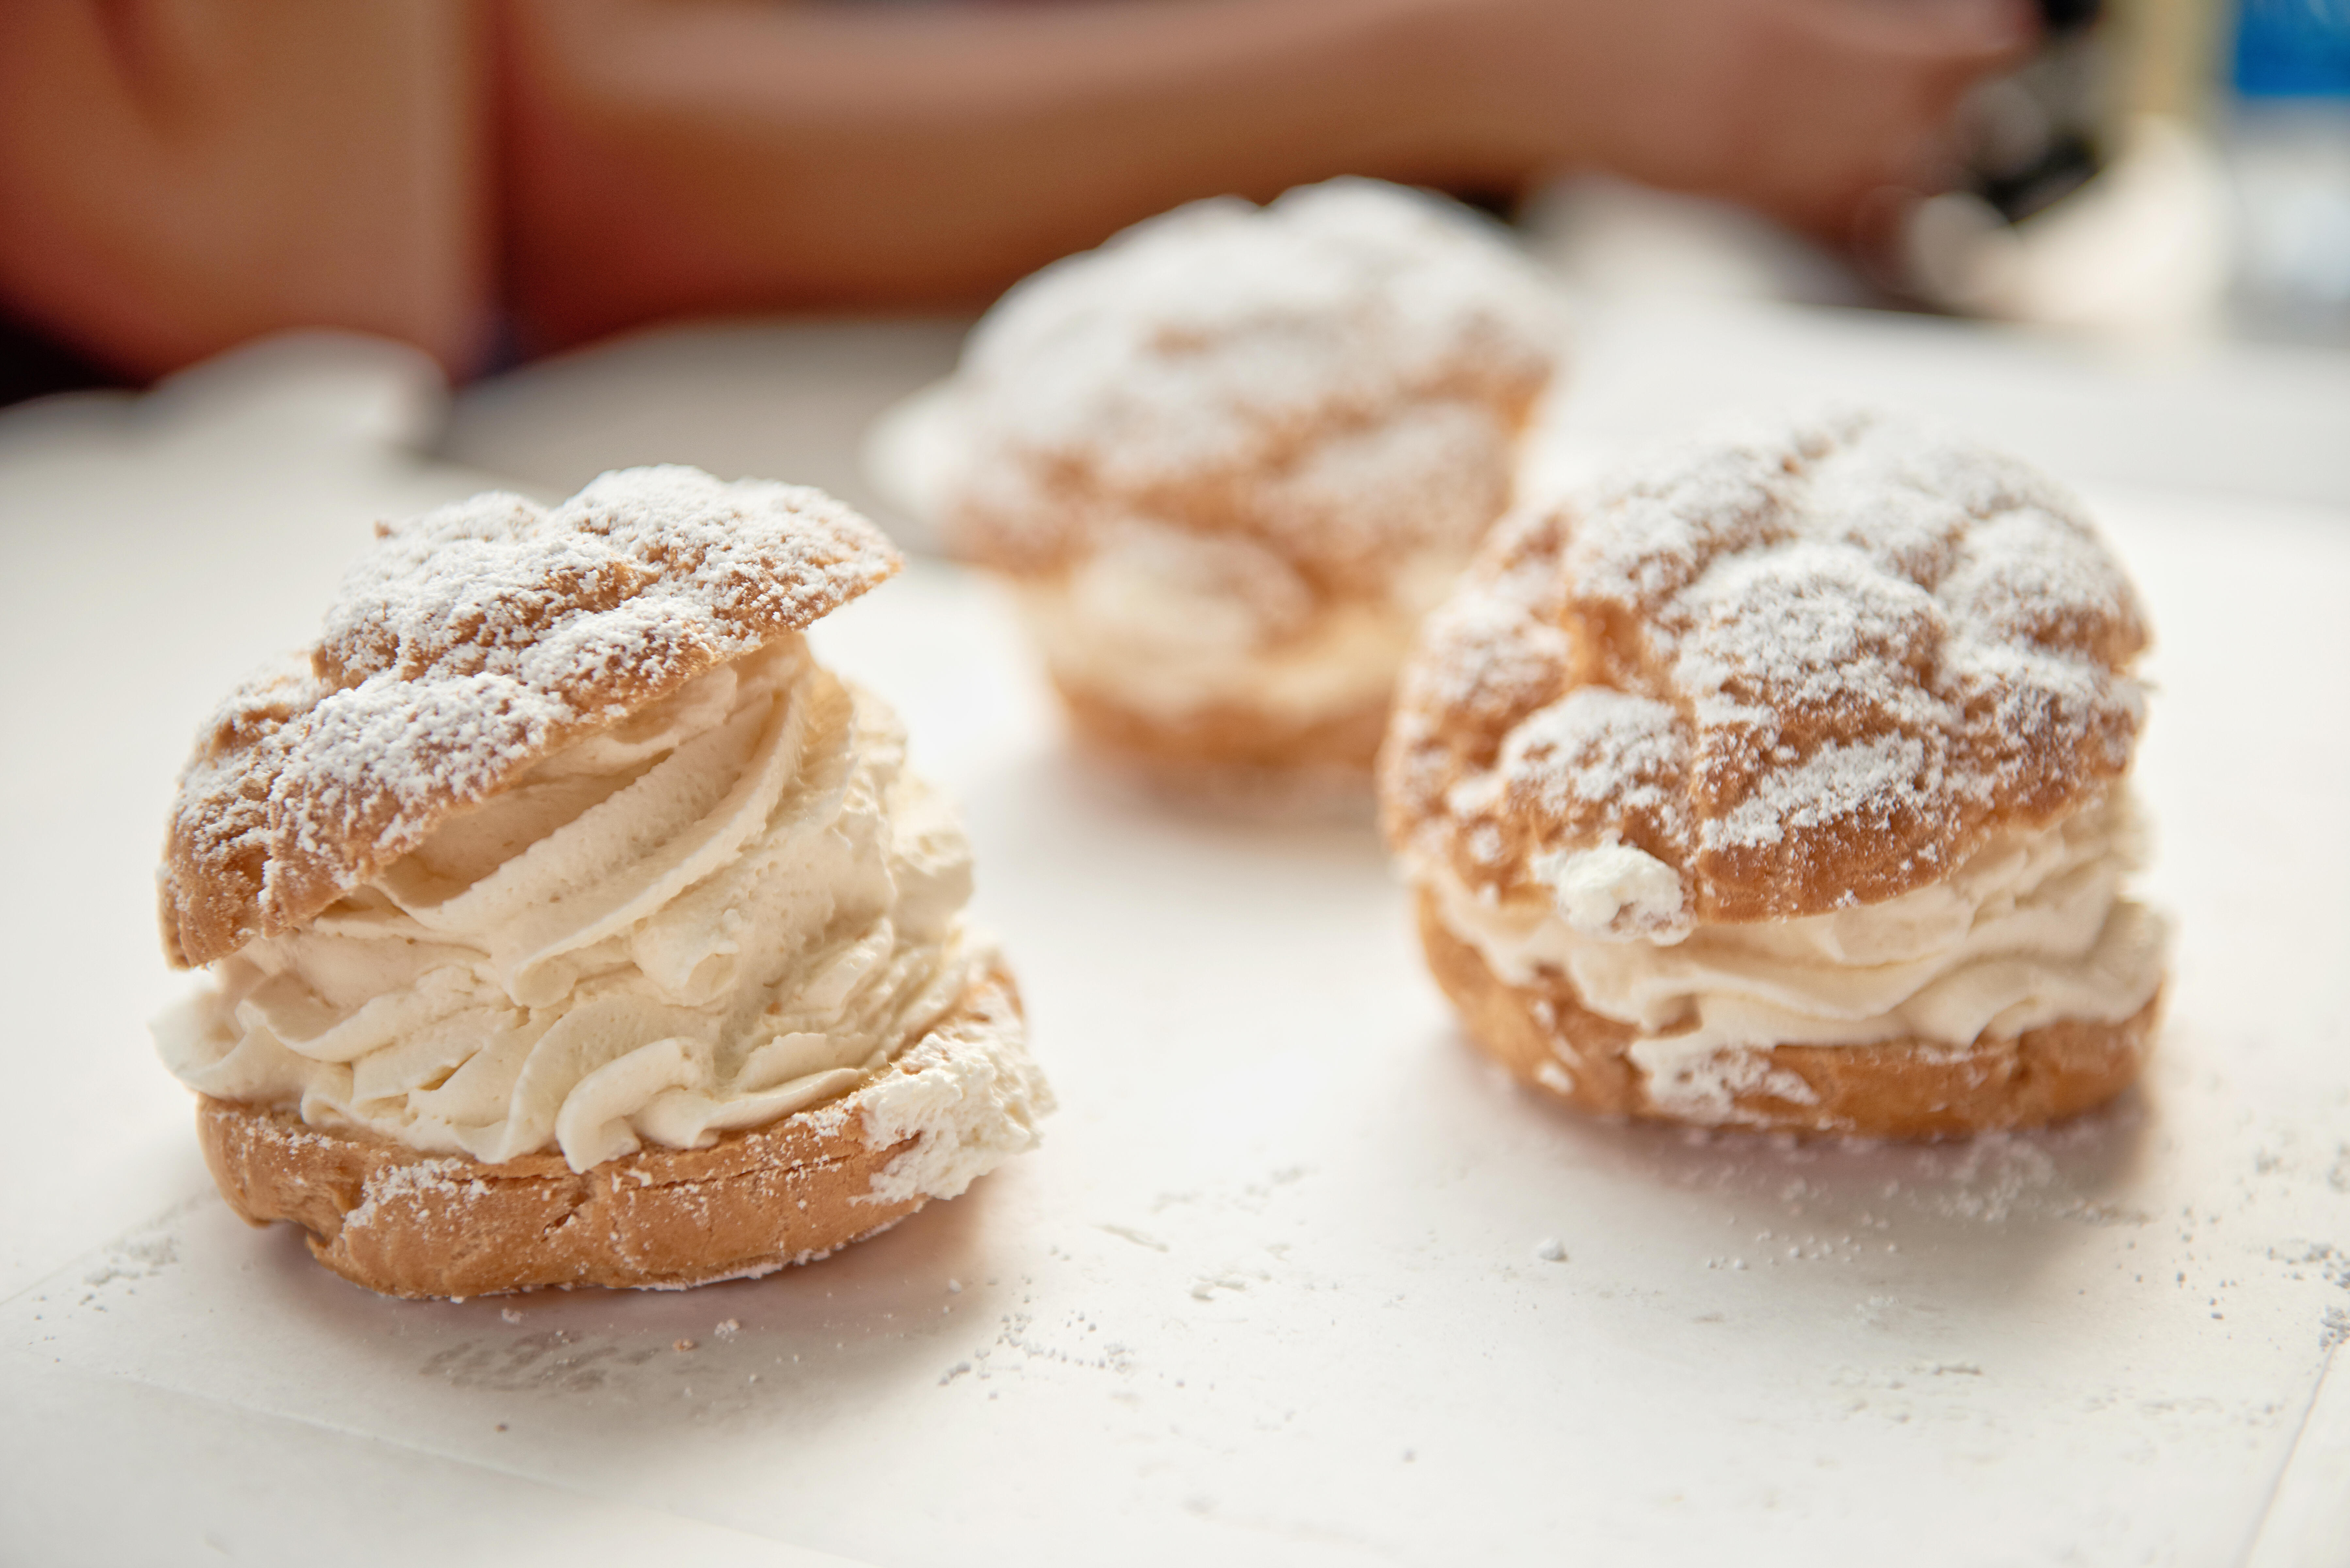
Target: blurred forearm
179, 175
668, 156
712, 155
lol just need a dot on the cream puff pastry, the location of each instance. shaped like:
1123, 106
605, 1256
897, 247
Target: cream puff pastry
1784, 782
568, 923
1228, 460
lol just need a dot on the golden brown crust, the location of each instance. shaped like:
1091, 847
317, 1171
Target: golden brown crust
1902, 1089
467, 646
1226, 735
1179, 374
1804, 670
1274, 417
407, 1224
1064, 505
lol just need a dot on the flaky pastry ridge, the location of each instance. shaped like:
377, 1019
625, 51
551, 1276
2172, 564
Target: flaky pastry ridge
1335, 378
1804, 671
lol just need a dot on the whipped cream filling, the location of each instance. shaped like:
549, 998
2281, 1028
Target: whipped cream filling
1173, 623
2030, 930
734, 905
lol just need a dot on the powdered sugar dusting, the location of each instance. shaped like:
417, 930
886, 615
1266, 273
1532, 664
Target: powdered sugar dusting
1807, 667
1840, 782
423, 1186
1708, 1087
968, 1101
1595, 746
469, 643
1341, 373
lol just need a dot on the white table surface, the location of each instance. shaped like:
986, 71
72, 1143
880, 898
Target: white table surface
1275, 1290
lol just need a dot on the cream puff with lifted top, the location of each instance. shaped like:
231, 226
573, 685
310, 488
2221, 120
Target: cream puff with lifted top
1783, 781
568, 923
1228, 460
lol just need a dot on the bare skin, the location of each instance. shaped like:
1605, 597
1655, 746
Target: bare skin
727, 155
238, 165
177, 176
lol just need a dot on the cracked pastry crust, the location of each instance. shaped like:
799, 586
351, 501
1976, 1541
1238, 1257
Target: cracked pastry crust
1805, 673
1783, 677
1281, 419
472, 643
407, 1224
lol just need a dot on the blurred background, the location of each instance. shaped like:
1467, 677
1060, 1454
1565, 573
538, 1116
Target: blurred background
734, 231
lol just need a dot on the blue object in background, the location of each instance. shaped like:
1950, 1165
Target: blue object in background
2293, 48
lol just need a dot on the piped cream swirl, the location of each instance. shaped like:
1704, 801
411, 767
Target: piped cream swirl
731, 906
2030, 930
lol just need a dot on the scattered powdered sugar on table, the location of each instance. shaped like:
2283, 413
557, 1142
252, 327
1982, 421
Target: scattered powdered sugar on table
1810, 666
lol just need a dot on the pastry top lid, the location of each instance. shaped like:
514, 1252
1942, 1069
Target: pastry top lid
464, 647
1805, 669
1200, 352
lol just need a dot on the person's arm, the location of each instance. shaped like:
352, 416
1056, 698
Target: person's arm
177, 176
667, 156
